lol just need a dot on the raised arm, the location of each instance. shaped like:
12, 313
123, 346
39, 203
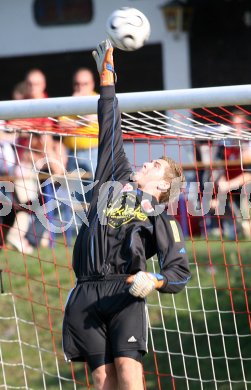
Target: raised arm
112, 162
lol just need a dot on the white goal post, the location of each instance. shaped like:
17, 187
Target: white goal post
129, 102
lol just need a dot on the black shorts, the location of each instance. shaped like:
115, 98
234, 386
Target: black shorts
103, 321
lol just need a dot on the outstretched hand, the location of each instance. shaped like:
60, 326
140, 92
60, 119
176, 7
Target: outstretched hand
103, 55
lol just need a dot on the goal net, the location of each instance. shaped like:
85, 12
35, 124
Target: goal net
198, 339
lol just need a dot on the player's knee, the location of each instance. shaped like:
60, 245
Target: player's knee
105, 377
129, 371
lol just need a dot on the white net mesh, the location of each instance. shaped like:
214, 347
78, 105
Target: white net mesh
198, 339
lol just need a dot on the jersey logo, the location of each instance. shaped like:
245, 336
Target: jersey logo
132, 340
175, 230
127, 187
182, 250
124, 210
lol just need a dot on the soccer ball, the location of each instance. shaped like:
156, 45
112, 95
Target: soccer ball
128, 28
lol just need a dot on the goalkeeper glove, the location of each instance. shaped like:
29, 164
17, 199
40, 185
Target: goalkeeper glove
103, 56
143, 283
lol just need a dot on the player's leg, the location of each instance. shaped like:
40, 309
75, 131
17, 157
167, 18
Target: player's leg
128, 336
105, 377
85, 334
129, 373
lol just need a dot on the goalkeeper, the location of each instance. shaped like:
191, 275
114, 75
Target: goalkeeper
105, 320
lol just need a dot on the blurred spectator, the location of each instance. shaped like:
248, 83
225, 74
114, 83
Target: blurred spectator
25, 190
35, 84
7, 165
235, 176
206, 153
232, 152
26, 186
82, 149
19, 91
7, 155
33, 150
33, 87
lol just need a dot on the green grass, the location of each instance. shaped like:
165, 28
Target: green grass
194, 332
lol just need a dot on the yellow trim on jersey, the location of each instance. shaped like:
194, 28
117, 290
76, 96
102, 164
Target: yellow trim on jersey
176, 233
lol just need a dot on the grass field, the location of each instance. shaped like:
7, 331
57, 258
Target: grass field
201, 337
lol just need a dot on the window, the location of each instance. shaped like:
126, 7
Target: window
62, 12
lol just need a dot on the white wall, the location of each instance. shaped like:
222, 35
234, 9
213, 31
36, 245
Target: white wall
20, 35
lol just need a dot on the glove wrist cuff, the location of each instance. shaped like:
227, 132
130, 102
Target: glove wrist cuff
108, 76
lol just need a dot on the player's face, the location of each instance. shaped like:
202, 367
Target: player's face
151, 173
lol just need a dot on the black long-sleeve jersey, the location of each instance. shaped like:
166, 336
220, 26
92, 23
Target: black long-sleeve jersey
122, 235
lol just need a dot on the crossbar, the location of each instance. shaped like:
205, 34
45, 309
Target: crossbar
129, 102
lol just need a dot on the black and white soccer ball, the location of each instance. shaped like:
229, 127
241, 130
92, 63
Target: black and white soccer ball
128, 28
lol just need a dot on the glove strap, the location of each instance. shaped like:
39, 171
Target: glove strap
111, 69
108, 76
160, 280
158, 276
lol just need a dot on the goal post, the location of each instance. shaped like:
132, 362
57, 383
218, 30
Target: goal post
198, 339
129, 102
